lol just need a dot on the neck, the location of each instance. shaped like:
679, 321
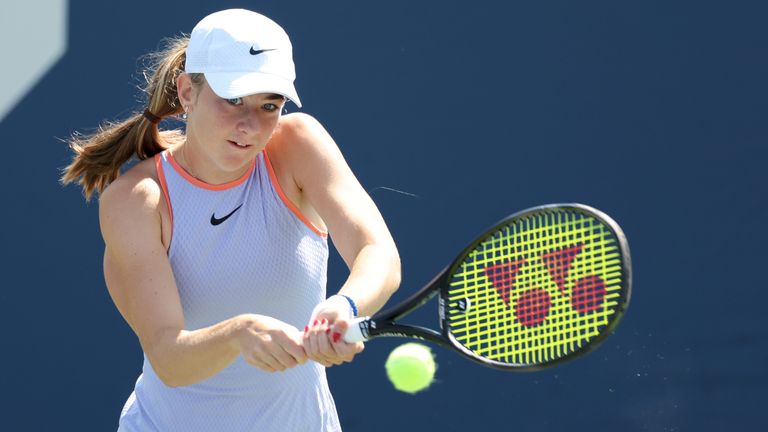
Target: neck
183, 160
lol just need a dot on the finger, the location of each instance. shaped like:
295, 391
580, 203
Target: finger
317, 341
346, 350
311, 327
278, 359
283, 357
312, 347
325, 347
259, 363
286, 350
308, 340
341, 325
295, 348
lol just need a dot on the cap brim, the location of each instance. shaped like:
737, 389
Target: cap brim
229, 85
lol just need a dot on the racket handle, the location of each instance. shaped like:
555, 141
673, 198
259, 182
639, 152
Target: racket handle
357, 331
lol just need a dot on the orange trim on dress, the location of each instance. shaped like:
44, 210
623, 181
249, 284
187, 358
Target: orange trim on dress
164, 187
204, 185
291, 206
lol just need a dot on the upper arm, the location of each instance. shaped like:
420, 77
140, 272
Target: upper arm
328, 183
136, 266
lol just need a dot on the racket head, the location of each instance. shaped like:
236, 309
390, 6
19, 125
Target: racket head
542, 286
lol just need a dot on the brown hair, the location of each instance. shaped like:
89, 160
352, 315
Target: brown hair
99, 156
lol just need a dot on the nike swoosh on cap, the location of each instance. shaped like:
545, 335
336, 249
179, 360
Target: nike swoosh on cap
257, 52
215, 221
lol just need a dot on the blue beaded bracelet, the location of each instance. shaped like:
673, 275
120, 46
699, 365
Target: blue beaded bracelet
351, 303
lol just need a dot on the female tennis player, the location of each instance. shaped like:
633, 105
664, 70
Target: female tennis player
216, 239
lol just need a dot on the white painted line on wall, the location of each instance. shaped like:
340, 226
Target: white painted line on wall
33, 37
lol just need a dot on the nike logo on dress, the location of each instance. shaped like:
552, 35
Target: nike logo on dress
215, 221
257, 52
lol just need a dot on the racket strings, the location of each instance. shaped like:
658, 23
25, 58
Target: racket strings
539, 288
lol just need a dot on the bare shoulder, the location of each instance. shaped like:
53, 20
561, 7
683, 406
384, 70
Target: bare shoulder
300, 132
133, 197
298, 123
138, 185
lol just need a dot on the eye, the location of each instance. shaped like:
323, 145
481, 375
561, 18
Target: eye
270, 107
235, 101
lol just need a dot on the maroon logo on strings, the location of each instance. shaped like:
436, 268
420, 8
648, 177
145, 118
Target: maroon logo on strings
532, 306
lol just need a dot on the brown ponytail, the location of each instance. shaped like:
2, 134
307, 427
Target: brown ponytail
98, 157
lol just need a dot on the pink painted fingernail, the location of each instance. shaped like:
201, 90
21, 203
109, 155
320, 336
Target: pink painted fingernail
315, 323
336, 337
306, 328
328, 330
324, 321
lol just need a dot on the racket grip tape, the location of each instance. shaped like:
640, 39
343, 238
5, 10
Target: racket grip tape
358, 330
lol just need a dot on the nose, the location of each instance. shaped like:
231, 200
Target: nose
249, 123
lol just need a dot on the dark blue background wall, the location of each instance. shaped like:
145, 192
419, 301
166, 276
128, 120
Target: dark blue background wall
654, 111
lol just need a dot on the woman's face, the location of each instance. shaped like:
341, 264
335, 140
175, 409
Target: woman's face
225, 135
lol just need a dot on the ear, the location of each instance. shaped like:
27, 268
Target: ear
185, 88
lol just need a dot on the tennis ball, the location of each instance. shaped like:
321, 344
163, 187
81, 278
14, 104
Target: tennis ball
411, 367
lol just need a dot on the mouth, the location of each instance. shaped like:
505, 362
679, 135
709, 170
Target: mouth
238, 144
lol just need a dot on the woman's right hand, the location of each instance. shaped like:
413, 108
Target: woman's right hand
270, 344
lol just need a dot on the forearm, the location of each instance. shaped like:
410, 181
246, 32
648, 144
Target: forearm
374, 277
182, 357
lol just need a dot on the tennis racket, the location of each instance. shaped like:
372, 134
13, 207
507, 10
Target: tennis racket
542, 286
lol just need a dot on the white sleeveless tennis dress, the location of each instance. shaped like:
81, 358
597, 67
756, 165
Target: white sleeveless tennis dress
240, 247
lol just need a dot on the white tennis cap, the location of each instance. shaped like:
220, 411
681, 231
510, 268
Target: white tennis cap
242, 53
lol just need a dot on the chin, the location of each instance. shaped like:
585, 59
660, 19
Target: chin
237, 161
